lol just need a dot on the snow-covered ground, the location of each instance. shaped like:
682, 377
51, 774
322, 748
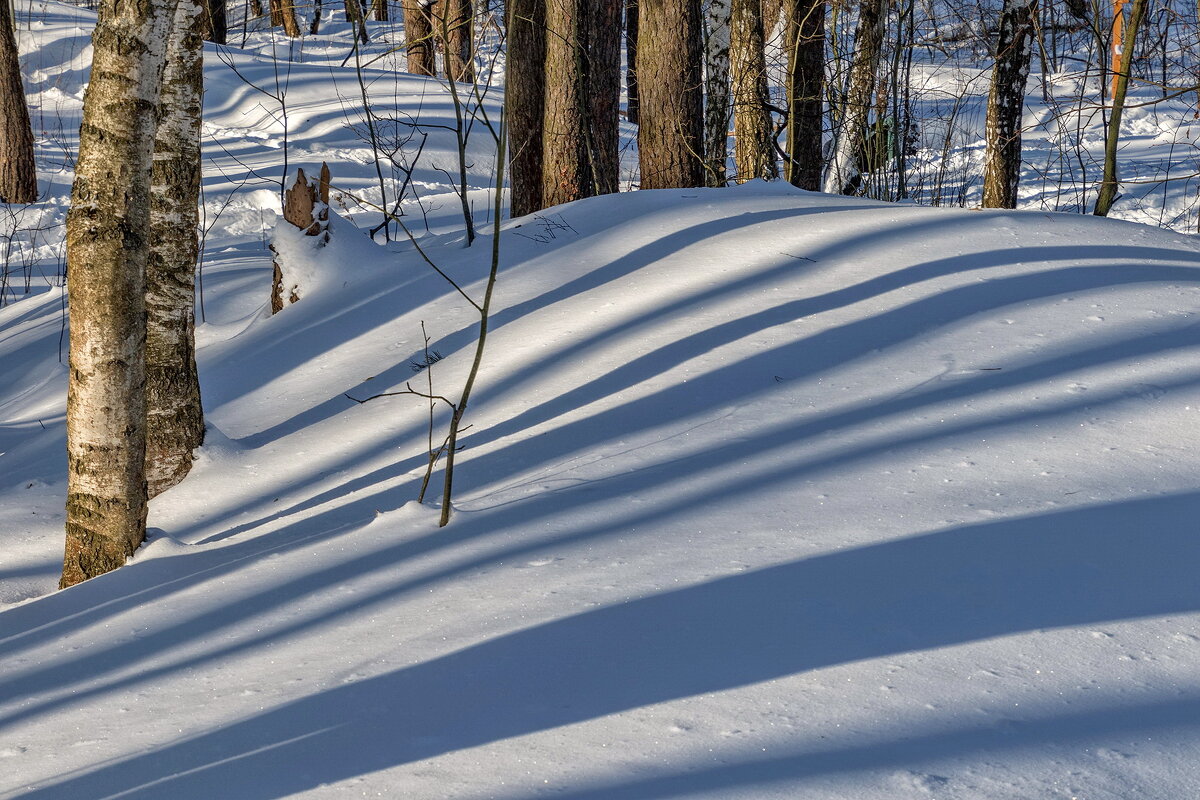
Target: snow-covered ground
767, 494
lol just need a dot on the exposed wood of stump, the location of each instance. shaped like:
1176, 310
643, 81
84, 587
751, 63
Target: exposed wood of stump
300, 209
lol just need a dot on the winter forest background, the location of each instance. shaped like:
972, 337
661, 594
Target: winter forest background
871, 479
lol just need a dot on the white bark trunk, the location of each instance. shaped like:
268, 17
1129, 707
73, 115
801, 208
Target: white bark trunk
868, 40
107, 245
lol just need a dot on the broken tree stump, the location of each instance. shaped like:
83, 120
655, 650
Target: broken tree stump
306, 207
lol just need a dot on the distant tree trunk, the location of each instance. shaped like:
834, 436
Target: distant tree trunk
174, 418
418, 38
215, 26
525, 97
283, 12
806, 87
315, 24
754, 151
848, 145
631, 48
354, 15
583, 83
1006, 101
1109, 183
456, 29
565, 162
604, 93
108, 240
670, 136
276, 7
716, 91
379, 10
18, 175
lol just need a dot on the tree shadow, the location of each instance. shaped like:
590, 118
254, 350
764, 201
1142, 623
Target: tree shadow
1117, 561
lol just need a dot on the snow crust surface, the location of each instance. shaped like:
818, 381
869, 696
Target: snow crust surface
766, 494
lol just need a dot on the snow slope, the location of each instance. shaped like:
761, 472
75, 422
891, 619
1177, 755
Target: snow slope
767, 494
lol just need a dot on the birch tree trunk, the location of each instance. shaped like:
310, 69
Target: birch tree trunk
18, 174
716, 91
670, 134
1006, 102
174, 418
868, 40
107, 245
524, 94
806, 87
418, 38
753, 152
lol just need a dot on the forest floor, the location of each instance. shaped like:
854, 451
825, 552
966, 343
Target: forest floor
766, 493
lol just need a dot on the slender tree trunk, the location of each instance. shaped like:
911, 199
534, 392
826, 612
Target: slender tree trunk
631, 48
418, 38
525, 97
670, 135
806, 88
18, 175
379, 10
716, 91
107, 245
848, 146
174, 418
1109, 183
315, 24
754, 151
1006, 102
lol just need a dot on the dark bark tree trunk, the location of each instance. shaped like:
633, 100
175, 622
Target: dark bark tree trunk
174, 418
315, 24
604, 84
583, 84
631, 48
283, 12
1002, 160
806, 87
215, 25
525, 95
453, 23
18, 175
418, 38
754, 151
379, 10
716, 91
108, 240
670, 136
355, 16
856, 105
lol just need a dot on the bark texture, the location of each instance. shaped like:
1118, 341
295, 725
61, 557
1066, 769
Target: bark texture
856, 105
107, 247
174, 418
1006, 101
1109, 183
806, 86
525, 90
356, 17
453, 20
283, 12
754, 151
418, 38
670, 135
582, 82
716, 91
216, 22
18, 175
632, 103
379, 10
